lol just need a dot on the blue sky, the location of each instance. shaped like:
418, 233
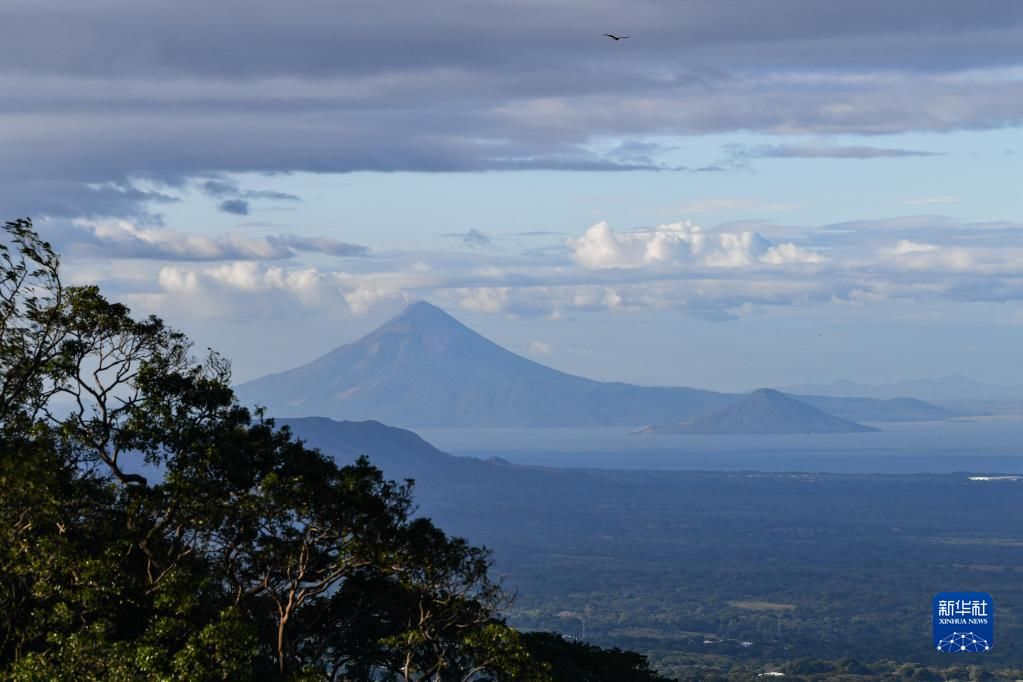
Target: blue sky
740, 194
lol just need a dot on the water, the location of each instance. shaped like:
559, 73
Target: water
981, 446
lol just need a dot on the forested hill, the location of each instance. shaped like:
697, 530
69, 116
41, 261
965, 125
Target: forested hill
663, 562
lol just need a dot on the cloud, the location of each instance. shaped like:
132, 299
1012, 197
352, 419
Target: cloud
244, 289
472, 238
328, 87
483, 300
221, 188
866, 236
791, 151
739, 155
361, 300
976, 261
541, 347
124, 240
680, 244
324, 39
905, 246
234, 206
325, 245
717, 275
639, 152
65, 198
535, 233
781, 254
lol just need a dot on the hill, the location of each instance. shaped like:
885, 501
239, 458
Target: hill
949, 387
665, 561
764, 411
423, 368
401, 453
878, 410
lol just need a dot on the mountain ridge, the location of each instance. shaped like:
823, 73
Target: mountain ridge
764, 411
947, 387
423, 368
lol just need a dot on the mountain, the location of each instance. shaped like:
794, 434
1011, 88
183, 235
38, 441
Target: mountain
764, 411
423, 368
877, 410
446, 485
399, 452
948, 387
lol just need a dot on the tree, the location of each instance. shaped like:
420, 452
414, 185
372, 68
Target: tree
31, 297
154, 528
583, 662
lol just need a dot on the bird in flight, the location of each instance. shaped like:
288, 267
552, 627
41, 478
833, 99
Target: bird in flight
614, 37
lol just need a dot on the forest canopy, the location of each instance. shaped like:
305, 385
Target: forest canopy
153, 528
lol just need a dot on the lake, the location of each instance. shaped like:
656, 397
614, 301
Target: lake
981, 446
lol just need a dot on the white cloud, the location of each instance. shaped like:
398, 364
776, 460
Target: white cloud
123, 239
363, 299
243, 285
716, 275
737, 250
484, 300
790, 253
541, 347
601, 247
933, 257
178, 281
905, 246
253, 278
679, 244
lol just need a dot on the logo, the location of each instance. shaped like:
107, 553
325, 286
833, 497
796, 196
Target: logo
964, 622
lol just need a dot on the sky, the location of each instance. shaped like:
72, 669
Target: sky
740, 194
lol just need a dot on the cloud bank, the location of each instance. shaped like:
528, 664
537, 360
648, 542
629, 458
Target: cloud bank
680, 243
715, 275
122, 239
192, 90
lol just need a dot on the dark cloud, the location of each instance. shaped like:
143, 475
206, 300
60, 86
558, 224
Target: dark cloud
319, 38
229, 189
234, 206
219, 188
819, 151
67, 198
270, 195
326, 245
472, 238
194, 90
639, 152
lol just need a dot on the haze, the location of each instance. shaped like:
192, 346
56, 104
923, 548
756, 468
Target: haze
737, 196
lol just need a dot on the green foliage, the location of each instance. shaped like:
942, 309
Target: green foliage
809, 666
152, 528
31, 297
582, 662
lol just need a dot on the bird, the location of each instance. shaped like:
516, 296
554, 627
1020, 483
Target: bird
614, 37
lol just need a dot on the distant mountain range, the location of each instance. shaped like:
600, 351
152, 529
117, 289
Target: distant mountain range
763, 411
946, 388
444, 482
398, 451
423, 368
